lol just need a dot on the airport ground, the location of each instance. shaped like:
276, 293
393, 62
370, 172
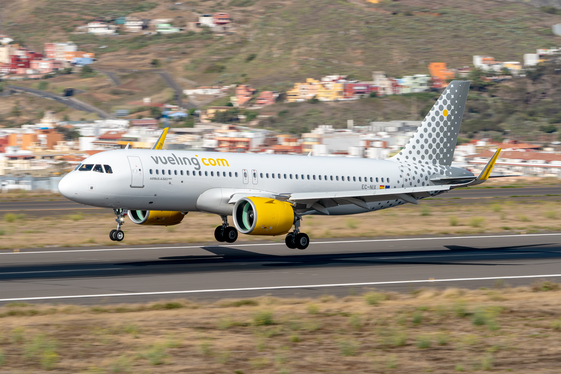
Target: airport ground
462, 282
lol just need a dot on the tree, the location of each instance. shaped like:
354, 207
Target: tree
373, 94
156, 63
506, 71
477, 78
548, 129
2, 85
16, 111
68, 133
156, 112
87, 72
66, 118
230, 115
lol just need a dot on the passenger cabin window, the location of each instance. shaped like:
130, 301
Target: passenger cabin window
98, 168
86, 167
150, 171
108, 169
157, 172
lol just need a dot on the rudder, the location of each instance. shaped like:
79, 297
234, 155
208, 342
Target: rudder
435, 140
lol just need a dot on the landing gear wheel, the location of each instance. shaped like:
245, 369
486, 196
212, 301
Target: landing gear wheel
119, 235
230, 234
112, 234
302, 241
289, 241
219, 234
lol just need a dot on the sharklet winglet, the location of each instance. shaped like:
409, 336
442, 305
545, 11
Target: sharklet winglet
160, 143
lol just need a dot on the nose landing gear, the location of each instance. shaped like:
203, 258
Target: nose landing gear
297, 239
118, 235
225, 233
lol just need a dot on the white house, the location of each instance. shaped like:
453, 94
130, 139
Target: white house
100, 28
206, 20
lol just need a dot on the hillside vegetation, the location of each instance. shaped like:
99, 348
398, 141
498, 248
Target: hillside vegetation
276, 43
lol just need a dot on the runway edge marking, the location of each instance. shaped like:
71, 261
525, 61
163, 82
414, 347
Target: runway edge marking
154, 293
273, 244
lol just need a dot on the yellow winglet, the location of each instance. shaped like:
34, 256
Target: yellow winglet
489, 167
160, 143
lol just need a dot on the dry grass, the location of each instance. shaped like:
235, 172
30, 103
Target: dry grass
428, 330
447, 217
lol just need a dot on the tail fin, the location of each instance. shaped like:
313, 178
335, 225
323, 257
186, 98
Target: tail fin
435, 140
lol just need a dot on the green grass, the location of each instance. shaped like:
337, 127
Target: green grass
263, 318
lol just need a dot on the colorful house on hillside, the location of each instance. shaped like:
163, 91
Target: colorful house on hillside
244, 93
440, 74
386, 86
357, 90
221, 19
414, 83
303, 91
266, 98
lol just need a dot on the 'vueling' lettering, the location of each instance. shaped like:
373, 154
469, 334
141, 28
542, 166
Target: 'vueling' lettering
193, 161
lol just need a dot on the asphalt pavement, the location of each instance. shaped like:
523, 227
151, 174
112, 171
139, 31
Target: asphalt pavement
210, 271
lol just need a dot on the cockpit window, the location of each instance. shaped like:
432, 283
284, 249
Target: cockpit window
98, 168
86, 167
108, 169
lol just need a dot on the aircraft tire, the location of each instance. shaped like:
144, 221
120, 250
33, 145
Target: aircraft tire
302, 241
119, 235
289, 241
112, 234
230, 234
219, 234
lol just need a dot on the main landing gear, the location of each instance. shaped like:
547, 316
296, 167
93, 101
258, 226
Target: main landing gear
225, 233
118, 235
297, 239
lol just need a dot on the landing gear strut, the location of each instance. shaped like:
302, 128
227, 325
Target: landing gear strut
225, 233
118, 235
297, 239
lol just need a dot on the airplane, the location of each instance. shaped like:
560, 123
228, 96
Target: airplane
270, 194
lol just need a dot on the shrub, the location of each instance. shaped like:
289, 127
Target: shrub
10, 217
263, 318
155, 354
238, 303
312, 309
423, 342
425, 211
550, 215
453, 221
355, 322
544, 286
476, 221
214, 68
374, 298
496, 208
348, 348
250, 57
460, 310
417, 318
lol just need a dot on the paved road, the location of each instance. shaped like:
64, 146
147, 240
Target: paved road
209, 271
64, 207
70, 102
112, 76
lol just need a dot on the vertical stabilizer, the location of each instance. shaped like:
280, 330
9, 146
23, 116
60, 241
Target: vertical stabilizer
435, 140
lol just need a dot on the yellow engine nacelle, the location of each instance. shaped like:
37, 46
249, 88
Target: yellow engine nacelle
263, 216
155, 217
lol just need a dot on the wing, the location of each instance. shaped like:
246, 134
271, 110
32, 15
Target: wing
320, 201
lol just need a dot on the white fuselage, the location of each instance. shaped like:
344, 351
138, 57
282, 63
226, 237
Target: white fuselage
204, 181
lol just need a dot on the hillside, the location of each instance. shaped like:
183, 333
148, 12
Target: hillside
276, 43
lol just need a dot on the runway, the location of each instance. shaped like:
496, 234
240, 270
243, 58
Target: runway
120, 274
37, 209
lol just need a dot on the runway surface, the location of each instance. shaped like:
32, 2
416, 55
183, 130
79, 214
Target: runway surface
66, 207
121, 274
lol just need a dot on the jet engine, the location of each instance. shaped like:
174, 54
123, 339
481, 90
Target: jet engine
155, 217
263, 216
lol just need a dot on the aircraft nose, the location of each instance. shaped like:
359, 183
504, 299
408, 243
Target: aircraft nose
65, 187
